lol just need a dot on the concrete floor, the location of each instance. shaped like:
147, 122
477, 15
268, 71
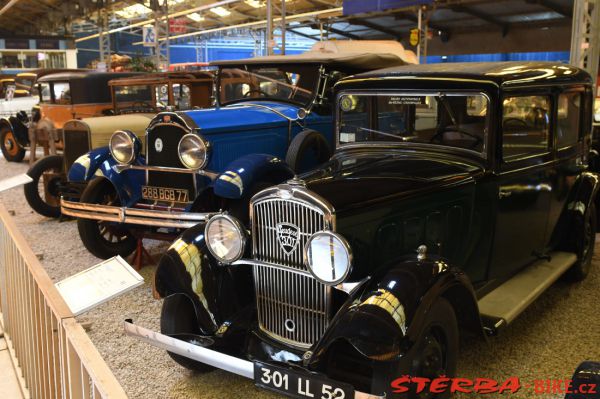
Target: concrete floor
9, 385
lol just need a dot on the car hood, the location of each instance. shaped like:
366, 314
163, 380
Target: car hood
243, 116
360, 178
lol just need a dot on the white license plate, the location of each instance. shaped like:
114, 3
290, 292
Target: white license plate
164, 194
299, 384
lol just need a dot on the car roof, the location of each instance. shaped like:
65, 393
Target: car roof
155, 78
85, 74
360, 55
507, 73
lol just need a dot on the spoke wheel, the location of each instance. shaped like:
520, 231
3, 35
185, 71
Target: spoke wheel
104, 239
43, 193
11, 149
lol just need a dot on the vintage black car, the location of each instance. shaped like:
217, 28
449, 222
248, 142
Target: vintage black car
456, 195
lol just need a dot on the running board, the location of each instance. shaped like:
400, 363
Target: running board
505, 303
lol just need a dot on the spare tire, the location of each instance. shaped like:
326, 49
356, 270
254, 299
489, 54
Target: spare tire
308, 149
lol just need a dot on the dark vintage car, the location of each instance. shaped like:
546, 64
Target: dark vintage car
456, 195
135, 101
196, 163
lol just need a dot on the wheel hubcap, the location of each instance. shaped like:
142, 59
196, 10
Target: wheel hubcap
432, 361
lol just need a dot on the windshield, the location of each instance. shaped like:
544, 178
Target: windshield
292, 83
134, 99
450, 119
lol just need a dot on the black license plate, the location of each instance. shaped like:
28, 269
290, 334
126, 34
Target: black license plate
298, 384
164, 194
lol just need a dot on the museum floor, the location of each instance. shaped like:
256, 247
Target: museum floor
548, 341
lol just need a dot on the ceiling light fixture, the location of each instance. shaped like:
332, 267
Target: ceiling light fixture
220, 11
195, 17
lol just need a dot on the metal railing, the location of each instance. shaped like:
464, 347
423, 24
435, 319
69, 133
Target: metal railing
50, 350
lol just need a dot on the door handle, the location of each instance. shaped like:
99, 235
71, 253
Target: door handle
504, 193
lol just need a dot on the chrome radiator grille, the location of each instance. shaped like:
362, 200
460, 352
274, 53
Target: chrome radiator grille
292, 306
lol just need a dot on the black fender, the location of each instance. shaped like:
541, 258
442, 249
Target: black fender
582, 195
384, 315
241, 174
217, 292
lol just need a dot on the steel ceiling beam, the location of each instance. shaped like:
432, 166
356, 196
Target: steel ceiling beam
566, 12
302, 34
339, 32
8, 6
374, 26
483, 16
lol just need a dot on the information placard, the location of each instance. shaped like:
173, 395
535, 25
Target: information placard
15, 181
98, 284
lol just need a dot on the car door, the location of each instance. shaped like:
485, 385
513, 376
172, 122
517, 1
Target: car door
523, 185
569, 144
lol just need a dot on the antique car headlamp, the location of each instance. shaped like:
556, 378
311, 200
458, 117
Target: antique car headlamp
193, 151
328, 257
124, 146
225, 238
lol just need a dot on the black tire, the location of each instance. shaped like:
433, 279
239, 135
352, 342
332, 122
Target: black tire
307, 143
38, 200
583, 239
434, 353
97, 236
585, 378
178, 317
11, 149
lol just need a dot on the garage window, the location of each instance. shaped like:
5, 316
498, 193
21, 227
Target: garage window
525, 126
568, 119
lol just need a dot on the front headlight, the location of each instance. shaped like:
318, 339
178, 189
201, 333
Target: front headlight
225, 238
328, 257
124, 146
193, 151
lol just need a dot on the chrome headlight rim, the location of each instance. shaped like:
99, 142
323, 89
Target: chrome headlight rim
243, 235
345, 246
204, 143
134, 146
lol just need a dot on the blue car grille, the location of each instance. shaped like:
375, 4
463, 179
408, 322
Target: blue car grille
168, 156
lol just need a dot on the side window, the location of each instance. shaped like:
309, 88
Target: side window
568, 119
45, 92
62, 93
181, 93
525, 126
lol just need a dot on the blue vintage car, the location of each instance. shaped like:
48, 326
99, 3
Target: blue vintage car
273, 119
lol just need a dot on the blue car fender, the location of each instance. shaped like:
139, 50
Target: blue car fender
99, 163
87, 166
241, 174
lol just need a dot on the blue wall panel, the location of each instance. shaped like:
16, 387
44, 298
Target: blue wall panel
560, 56
361, 6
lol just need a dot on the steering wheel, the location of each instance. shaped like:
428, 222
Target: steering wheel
514, 121
142, 104
438, 137
259, 91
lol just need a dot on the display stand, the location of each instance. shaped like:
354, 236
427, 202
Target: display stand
141, 256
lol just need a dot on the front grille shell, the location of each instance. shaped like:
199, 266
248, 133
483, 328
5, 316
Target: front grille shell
286, 293
170, 134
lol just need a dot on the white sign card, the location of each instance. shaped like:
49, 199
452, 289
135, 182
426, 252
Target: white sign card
98, 284
15, 181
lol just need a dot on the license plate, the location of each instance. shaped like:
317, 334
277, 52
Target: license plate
164, 194
298, 384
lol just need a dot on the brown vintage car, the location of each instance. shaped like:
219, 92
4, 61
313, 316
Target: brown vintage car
62, 96
135, 101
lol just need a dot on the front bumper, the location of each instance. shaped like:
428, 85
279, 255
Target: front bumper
145, 217
207, 356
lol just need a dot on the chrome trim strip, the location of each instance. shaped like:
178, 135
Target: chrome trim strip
181, 220
209, 174
253, 262
211, 357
